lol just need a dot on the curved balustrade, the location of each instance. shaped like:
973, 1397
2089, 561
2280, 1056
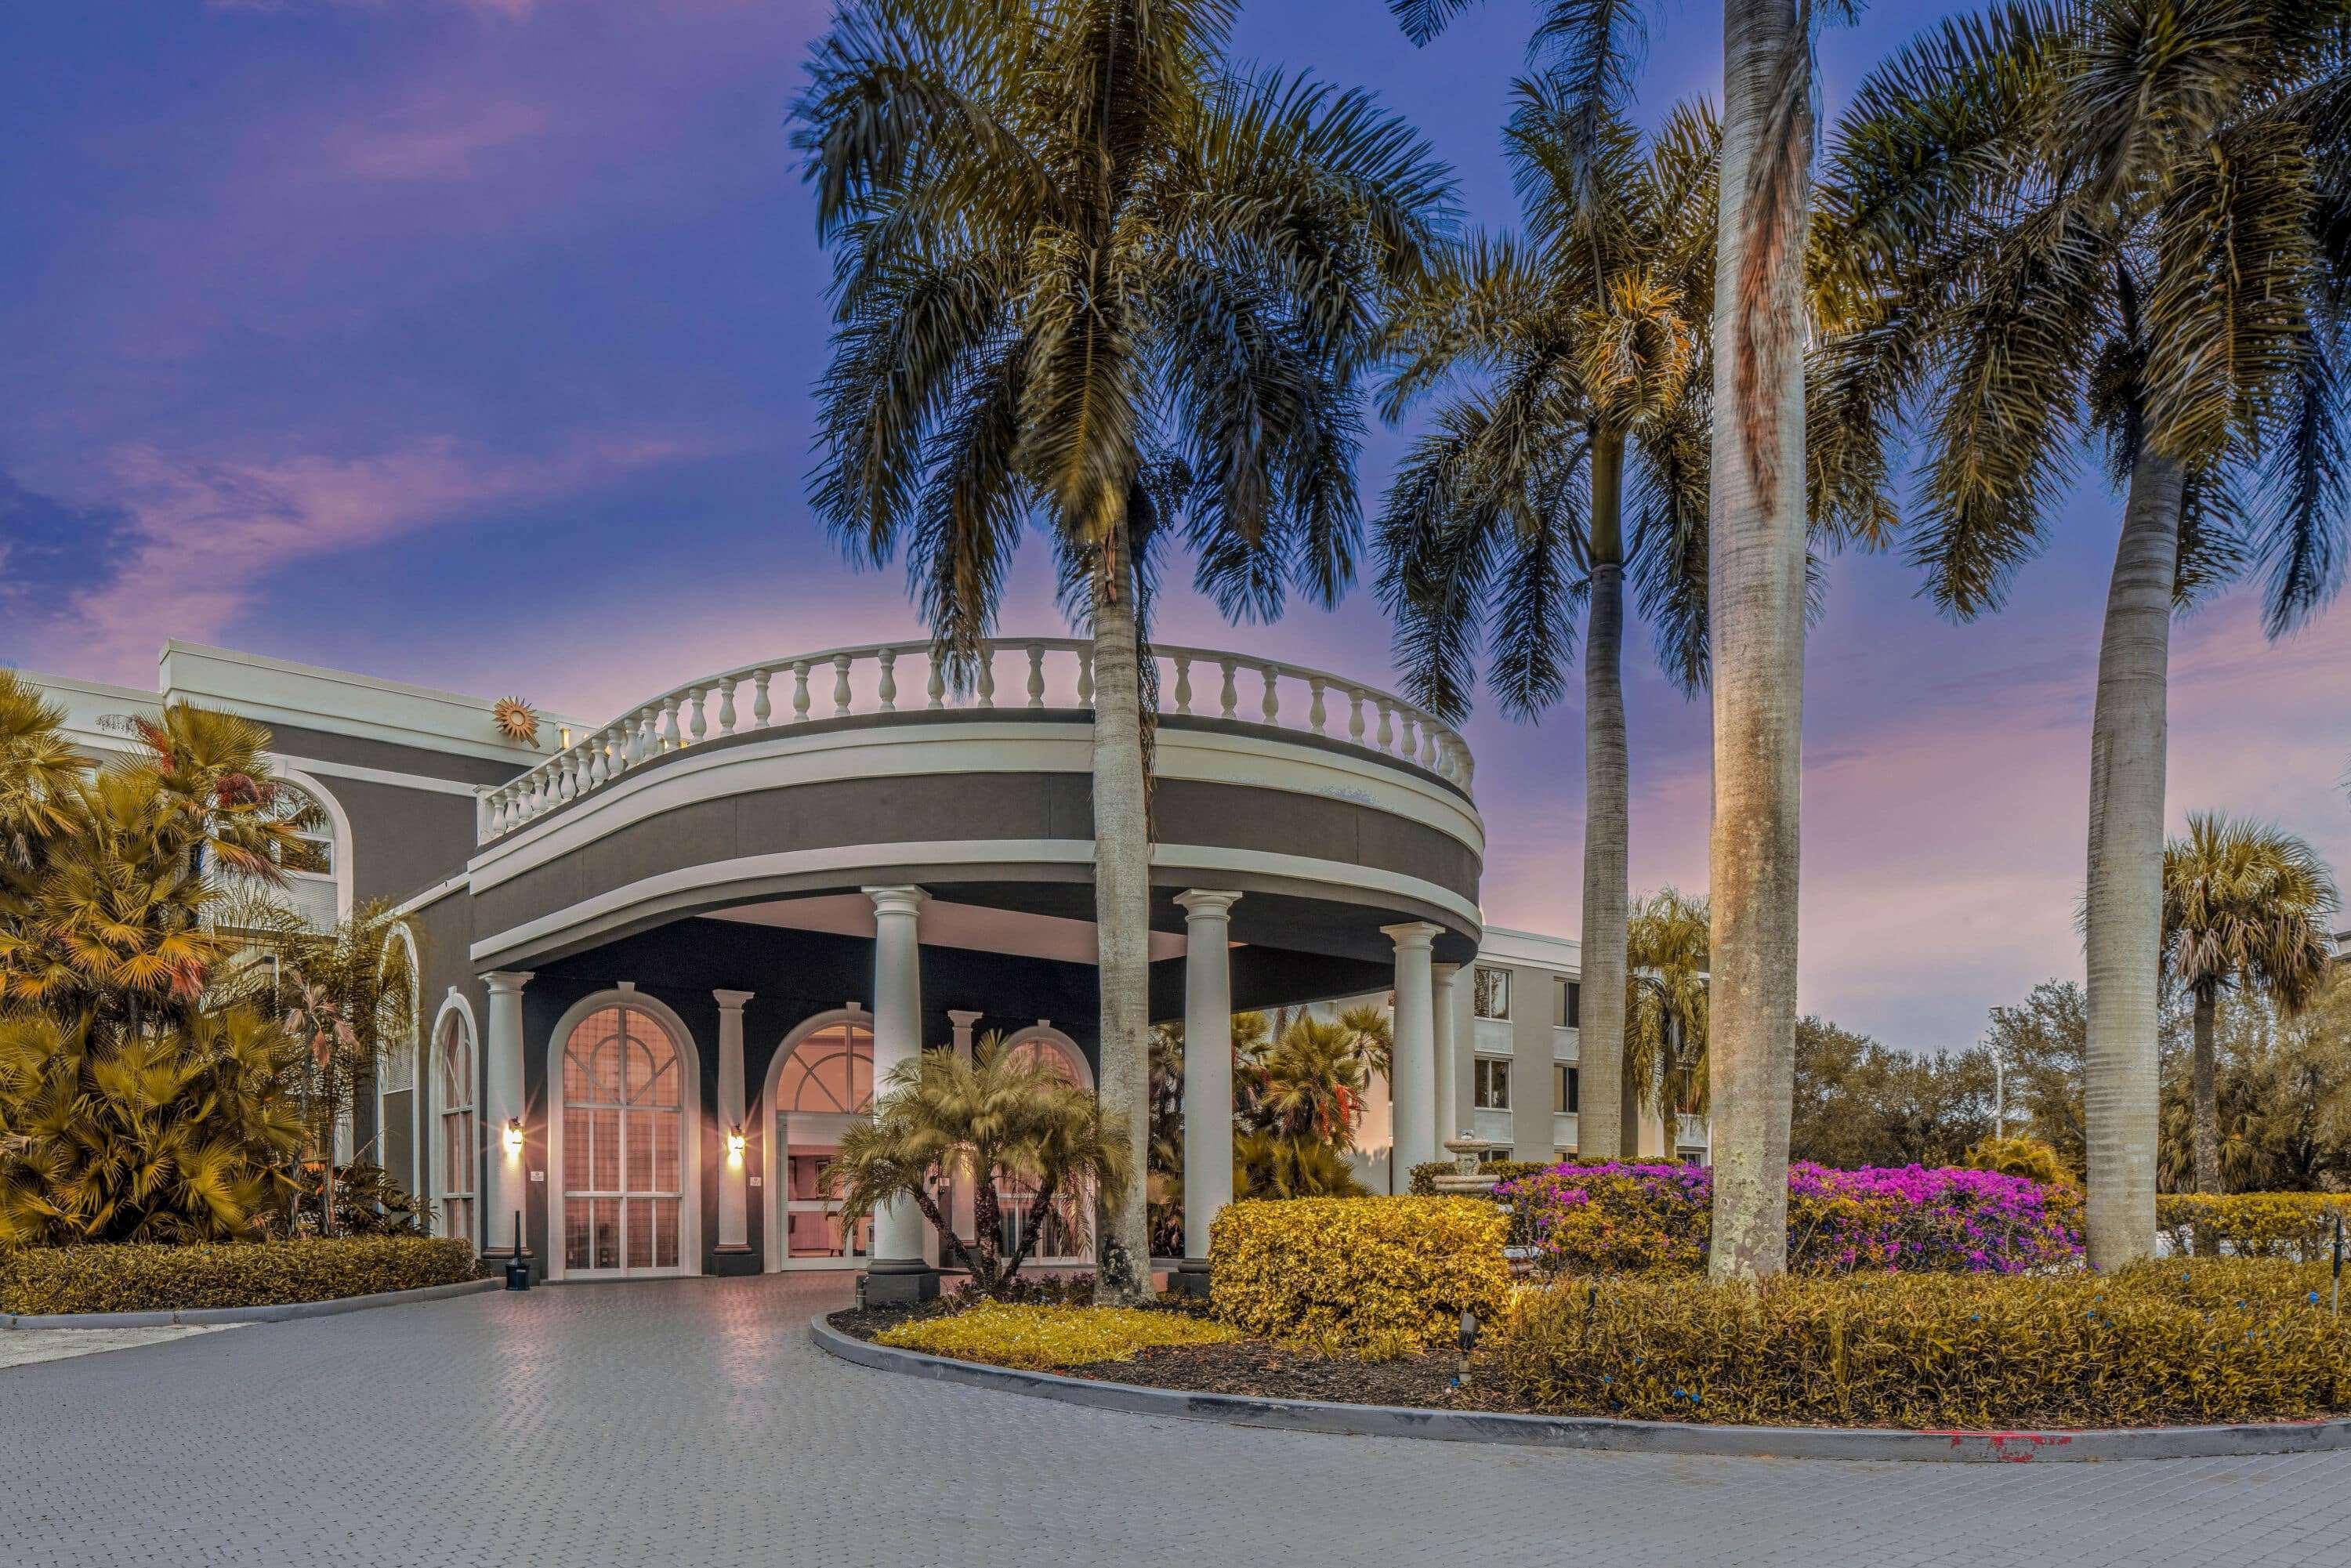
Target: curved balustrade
1044, 673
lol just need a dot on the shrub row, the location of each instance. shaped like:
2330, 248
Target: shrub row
146, 1278
1658, 1220
1386, 1276
2207, 1340
2292, 1225
1040, 1336
1424, 1177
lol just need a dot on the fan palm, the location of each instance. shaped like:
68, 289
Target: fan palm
2245, 908
1589, 338
1314, 1081
177, 1133
1087, 275
2116, 219
1666, 1008
1269, 1166
1006, 1116
1755, 555
39, 771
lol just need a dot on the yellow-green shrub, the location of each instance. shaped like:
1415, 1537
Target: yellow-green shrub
2296, 1225
1423, 1181
148, 1278
1345, 1274
2186, 1342
1036, 1337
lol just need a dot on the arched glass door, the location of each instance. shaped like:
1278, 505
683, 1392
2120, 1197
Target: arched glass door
455, 1082
823, 1086
623, 1125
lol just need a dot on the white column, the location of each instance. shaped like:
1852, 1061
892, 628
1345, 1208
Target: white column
734, 1176
897, 1038
502, 1099
1448, 1114
1412, 1083
961, 1019
1208, 1071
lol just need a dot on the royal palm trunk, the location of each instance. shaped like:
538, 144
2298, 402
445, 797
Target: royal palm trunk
1123, 916
2123, 912
1756, 606
1605, 1108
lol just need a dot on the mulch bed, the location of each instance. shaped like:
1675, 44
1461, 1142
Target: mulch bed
1251, 1368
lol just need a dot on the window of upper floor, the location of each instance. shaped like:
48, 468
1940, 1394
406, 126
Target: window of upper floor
1566, 1089
1490, 1084
1490, 994
1566, 1002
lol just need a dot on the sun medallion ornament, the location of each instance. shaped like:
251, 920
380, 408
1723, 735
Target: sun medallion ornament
517, 720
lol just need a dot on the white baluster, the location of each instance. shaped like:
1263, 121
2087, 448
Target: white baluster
1355, 715
841, 685
1468, 767
986, 683
700, 728
1315, 715
936, 689
1428, 744
1271, 707
649, 745
889, 687
670, 738
1085, 677
1385, 739
1410, 750
800, 690
597, 777
727, 705
1036, 675
565, 786
1227, 697
1183, 682
762, 709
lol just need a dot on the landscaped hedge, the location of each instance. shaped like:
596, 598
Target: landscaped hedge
1386, 1276
1658, 1220
2164, 1343
147, 1278
1046, 1336
2292, 1225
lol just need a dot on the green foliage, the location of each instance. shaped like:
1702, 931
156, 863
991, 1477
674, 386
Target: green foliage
1005, 1115
1046, 1336
1267, 1166
2298, 1226
2246, 906
2160, 1343
1858, 1102
1350, 1274
368, 1202
2281, 1096
2027, 1157
148, 1278
176, 1135
1665, 1003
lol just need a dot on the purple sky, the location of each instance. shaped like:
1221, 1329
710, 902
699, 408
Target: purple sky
470, 342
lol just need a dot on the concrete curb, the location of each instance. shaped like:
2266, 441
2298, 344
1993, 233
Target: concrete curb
1600, 1432
282, 1311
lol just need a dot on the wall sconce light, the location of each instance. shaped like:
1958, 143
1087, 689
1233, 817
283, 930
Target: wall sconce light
513, 1137
735, 1145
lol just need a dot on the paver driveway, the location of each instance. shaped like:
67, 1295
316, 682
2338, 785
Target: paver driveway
690, 1423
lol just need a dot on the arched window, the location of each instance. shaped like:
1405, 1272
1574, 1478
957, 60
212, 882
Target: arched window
624, 1131
830, 1071
453, 1059
1066, 1232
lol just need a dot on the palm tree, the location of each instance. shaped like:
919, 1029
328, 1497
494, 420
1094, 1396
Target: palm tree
1087, 275
1755, 550
175, 1133
2115, 219
1004, 1115
1666, 1007
1314, 1081
1589, 342
2245, 908
39, 771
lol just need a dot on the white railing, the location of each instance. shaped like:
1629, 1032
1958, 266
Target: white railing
1043, 673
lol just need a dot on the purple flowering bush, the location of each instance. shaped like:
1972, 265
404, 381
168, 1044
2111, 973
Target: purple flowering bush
1657, 1220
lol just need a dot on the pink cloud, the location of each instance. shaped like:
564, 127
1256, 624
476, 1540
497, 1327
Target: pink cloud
432, 139
206, 535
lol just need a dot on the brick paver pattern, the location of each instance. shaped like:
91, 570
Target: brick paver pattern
690, 1423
